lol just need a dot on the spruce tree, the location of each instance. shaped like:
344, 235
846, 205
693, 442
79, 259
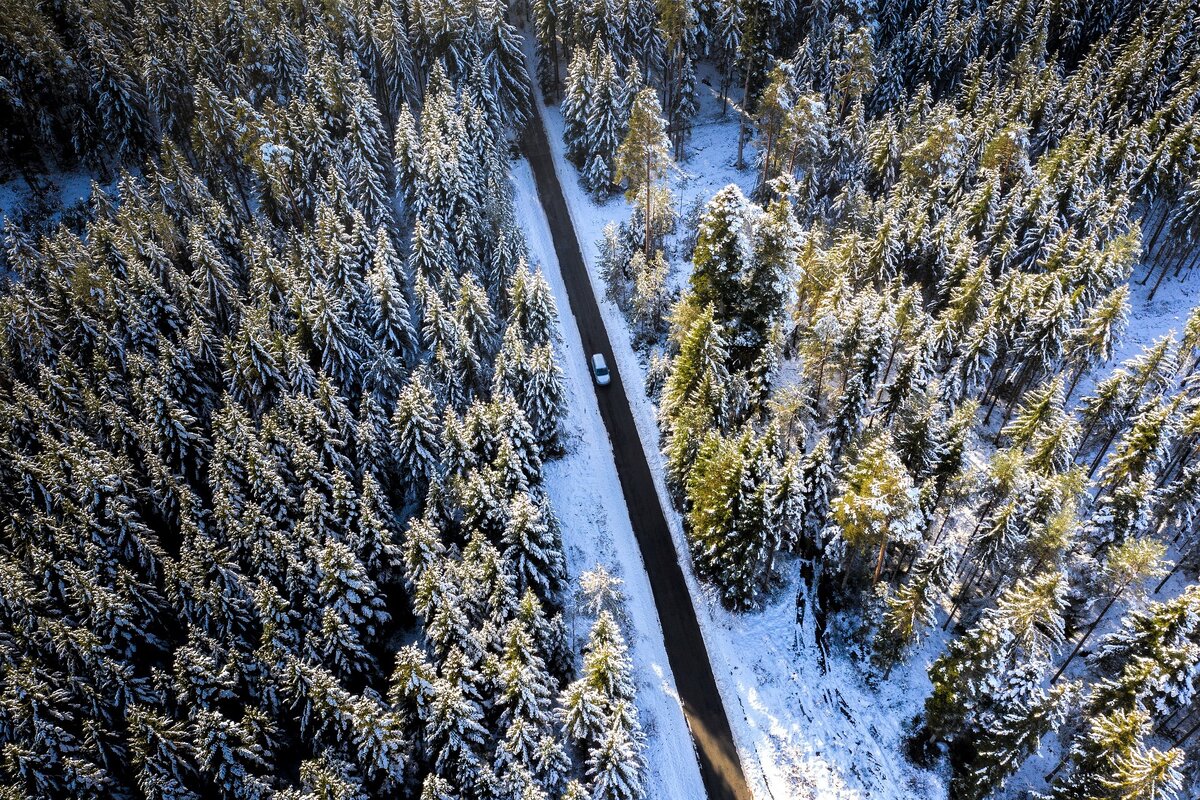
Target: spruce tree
650, 302
876, 507
416, 431
605, 125
577, 101
1110, 759
732, 522
643, 160
1024, 628
533, 548
911, 609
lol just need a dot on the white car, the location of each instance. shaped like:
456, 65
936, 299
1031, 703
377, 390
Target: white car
600, 369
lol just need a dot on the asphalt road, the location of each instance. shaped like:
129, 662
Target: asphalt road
720, 767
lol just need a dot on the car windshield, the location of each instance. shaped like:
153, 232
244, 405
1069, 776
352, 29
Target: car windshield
601, 370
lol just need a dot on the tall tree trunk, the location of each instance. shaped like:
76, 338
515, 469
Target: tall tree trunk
741, 161
1075, 382
1101, 453
1162, 221
1062, 762
1181, 456
646, 221
849, 568
1083, 437
767, 155
962, 595
1087, 634
879, 561
993, 386
1153, 291
1169, 575
1195, 260
887, 371
1188, 735
1023, 381
554, 58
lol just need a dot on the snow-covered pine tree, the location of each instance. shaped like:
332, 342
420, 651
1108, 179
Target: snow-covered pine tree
1093, 340
694, 396
417, 442
577, 100
721, 273
651, 298
1128, 566
1024, 711
877, 506
605, 125
546, 20
1149, 660
911, 609
545, 403
392, 319
1111, 759
733, 528
643, 160
525, 698
1025, 627
615, 765
533, 547
532, 310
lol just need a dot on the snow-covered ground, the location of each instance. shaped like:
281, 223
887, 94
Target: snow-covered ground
586, 494
62, 190
1150, 320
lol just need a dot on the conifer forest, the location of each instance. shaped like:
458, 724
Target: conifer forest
600, 399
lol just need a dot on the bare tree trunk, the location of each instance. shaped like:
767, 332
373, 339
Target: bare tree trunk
1074, 382
879, 561
1083, 437
741, 161
1195, 260
887, 371
962, 595
1191, 732
1181, 457
1062, 762
1102, 452
849, 568
1153, 291
1023, 381
767, 155
1091, 629
646, 221
1162, 221
993, 386
557, 79
1178, 564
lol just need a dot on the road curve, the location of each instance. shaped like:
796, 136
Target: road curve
720, 768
